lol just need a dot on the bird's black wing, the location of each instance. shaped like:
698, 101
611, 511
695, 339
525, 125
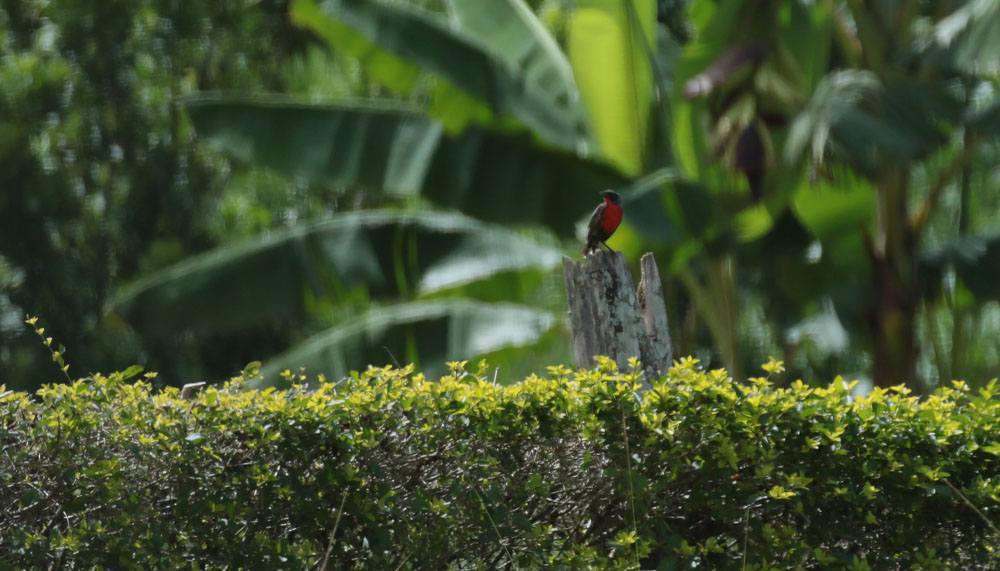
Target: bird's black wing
595, 231
594, 226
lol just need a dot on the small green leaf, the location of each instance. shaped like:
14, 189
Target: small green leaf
780, 493
132, 371
251, 369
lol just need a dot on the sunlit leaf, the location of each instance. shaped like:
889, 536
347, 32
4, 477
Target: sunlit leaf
427, 43
514, 34
823, 331
754, 222
132, 371
609, 47
834, 207
383, 66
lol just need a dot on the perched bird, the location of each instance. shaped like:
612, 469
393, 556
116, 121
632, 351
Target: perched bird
604, 221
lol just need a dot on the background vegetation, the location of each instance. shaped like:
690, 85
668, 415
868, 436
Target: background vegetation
347, 182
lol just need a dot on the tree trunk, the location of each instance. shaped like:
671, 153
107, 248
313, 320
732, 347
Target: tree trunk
893, 327
610, 317
893, 256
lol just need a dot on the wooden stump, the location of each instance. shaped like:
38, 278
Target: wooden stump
609, 316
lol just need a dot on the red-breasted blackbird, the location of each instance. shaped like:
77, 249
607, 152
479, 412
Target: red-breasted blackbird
604, 221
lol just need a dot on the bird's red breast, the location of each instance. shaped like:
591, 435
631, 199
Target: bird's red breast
612, 216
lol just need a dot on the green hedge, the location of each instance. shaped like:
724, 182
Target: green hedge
391, 470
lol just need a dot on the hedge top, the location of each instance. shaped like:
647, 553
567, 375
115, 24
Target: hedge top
388, 469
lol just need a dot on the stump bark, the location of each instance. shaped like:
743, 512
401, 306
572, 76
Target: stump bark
609, 316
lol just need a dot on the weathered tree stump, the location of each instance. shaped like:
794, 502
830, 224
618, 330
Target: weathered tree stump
609, 316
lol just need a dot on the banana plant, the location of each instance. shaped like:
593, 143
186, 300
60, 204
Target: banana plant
844, 153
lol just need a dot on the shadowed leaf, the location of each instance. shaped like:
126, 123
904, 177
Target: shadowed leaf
975, 260
267, 278
985, 122
855, 117
496, 177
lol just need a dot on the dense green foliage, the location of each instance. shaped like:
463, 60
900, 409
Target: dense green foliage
391, 470
101, 179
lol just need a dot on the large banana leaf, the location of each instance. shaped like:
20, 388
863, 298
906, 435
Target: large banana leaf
427, 332
381, 254
492, 176
610, 43
397, 39
514, 35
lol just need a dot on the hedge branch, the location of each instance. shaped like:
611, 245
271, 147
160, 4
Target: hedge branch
336, 523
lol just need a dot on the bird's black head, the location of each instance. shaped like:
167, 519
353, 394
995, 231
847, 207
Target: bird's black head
611, 195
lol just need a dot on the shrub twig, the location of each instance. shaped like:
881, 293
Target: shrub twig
496, 529
336, 524
973, 507
631, 489
746, 537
